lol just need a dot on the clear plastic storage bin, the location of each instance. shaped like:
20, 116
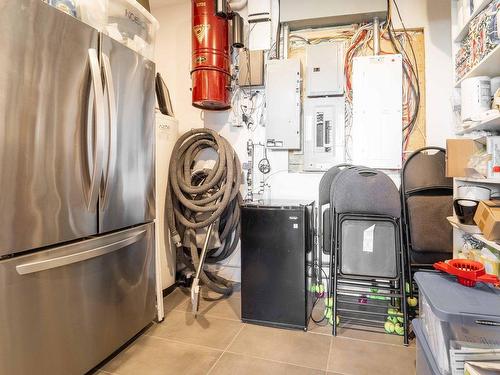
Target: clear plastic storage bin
124, 20
132, 25
426, 365
452, 312
92, 12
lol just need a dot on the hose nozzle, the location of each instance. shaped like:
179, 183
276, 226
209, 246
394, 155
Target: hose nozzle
177, 240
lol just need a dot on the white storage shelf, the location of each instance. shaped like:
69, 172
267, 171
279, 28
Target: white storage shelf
474, 231
491, 125
494, 185
488, 66
465, 28
494, 181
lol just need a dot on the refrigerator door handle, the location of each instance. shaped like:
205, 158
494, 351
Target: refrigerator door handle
95, 118
61, 261
111, 132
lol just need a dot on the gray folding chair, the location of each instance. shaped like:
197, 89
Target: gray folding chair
367, 259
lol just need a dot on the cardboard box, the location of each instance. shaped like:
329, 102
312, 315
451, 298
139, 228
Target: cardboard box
487, 218
458, 154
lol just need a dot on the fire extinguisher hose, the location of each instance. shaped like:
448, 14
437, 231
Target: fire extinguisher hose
198, 198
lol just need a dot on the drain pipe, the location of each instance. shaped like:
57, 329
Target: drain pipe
376, 36
238, 5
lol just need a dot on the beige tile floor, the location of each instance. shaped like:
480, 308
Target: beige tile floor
218, 343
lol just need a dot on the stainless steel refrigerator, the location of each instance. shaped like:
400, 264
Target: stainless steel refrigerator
77, 267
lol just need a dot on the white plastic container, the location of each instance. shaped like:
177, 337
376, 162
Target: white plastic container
495, 83
426, 365
476, 97
132, 25
452, 312
93, 12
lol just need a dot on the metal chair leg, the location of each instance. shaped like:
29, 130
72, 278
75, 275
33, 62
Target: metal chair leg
404, 305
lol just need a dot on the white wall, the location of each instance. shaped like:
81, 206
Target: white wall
435, 17
174, 54
173, 61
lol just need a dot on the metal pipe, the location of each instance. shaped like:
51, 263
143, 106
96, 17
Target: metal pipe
237, 31
376, 36
286, 37
238, 5
195, 288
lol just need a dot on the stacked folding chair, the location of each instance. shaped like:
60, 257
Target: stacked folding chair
427, 199
324, 233
367, 264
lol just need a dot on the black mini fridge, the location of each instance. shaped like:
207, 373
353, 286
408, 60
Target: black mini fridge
277, 263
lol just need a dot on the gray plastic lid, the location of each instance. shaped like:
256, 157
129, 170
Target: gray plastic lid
422, 341
451, 301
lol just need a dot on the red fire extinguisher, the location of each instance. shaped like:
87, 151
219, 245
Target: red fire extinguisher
210, 76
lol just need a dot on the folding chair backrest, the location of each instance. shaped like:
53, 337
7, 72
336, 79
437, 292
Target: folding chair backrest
425, 170
324, 199
428, 200
326, 183
361, 190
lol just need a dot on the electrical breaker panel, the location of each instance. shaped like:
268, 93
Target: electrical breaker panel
324, 135
377, 126
283, 85
325, 69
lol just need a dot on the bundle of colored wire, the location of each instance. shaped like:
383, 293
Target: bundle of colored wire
361, 44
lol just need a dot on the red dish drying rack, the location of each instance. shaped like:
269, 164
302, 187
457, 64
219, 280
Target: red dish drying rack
468, 272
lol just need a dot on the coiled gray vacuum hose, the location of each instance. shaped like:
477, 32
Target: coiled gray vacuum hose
196, 199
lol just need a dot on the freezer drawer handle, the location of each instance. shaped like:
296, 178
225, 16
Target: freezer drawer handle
96, 111
48, 264
110, 165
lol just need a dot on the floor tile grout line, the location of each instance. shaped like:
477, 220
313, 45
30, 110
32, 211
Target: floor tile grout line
354, 338
215, 363
373, 342
329, 354
227, 347
182, 342
273, 360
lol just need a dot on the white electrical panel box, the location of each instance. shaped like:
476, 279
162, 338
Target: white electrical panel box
283, 104
377, 123
325, 69
324, 133
259, 20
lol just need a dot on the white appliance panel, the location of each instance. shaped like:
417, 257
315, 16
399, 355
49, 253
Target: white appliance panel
377, 111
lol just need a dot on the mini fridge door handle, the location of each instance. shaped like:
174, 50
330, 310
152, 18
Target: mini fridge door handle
95, 117
61, 261
111, 142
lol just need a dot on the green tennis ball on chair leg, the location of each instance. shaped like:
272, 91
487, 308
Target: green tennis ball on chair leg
412, 302
328, 313
389, 327
392, 319
399, 329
